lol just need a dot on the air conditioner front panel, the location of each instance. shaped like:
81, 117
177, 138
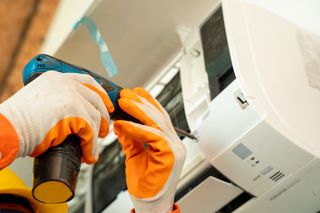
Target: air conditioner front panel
260, 159
225, 122
277, 62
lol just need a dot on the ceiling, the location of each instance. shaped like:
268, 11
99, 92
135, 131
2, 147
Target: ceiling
143, 36
23, 25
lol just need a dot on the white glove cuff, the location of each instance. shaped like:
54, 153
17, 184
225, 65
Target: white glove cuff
163, 205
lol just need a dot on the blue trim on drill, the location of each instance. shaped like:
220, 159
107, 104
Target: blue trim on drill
43, 63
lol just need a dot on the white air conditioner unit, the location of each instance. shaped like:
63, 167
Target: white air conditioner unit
259, 133
250, 78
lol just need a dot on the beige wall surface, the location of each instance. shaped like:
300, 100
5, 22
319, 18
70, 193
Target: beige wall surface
23, 24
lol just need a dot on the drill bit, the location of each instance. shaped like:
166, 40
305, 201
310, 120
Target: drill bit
181, 132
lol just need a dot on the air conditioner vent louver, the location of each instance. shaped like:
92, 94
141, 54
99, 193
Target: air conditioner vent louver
277, 176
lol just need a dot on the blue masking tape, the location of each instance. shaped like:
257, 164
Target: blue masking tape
105, 55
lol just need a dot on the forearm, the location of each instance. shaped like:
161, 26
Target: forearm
9, 142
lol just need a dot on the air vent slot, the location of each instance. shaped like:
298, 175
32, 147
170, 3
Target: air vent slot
216, 54
277, 176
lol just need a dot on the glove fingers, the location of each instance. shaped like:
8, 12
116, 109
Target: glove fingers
130, 94
164, 115
99, 127
104, 97
154, 138
104, 128
100, 101
85, 124
65, 127
141, 105
143, 93
129, 106
144, 163
130, 146
94, 85
136, 95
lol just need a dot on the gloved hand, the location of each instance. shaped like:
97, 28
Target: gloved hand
43, 113
154, 152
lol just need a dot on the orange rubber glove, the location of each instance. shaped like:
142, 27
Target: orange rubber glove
154, 152
46, 111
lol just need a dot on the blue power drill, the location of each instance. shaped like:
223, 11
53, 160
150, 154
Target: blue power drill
56, 170
43, 63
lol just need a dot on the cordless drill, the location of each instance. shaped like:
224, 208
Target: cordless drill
55, 171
